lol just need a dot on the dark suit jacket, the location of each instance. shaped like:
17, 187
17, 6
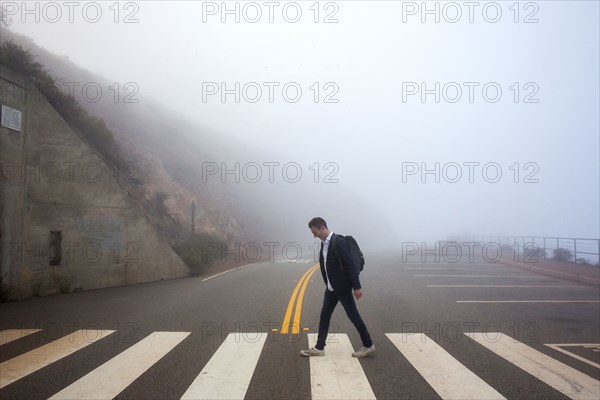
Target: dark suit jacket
341, 280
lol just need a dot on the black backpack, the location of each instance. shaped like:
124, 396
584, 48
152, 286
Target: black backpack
355, 252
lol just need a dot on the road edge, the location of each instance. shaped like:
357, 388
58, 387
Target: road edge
555, 274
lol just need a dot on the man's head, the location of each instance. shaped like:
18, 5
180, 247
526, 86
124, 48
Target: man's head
318, 227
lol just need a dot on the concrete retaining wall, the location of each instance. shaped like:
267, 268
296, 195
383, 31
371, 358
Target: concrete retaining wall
61, 204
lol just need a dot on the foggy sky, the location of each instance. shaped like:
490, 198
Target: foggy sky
370, 132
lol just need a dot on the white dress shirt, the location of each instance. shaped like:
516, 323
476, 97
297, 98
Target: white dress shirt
325, 249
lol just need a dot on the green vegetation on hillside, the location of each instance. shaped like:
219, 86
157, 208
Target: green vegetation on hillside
203, 250
92, 129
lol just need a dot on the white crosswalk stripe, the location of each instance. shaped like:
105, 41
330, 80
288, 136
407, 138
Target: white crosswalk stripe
561, 377
228, 373
447, 376
112, 377
25, 364
8, 335
337, 375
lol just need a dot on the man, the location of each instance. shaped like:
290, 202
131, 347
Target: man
341, 284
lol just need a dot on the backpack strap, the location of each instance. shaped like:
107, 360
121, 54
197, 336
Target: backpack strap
335, 249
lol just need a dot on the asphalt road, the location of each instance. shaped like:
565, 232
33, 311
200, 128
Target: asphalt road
226, 332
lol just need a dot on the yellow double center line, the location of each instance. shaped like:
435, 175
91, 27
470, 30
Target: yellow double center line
297, 298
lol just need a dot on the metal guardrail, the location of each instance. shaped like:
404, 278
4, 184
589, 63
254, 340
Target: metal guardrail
545, 241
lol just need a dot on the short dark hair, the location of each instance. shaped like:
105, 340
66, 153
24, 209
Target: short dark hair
317, 222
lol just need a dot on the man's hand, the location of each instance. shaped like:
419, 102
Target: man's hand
357, 293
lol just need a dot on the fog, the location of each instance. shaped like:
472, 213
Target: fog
510, 135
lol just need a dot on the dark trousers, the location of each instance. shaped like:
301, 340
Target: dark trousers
329, 302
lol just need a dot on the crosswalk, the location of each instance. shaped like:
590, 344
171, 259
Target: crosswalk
25, 364
229, 371
336, 375
561, 377
112, 377
448, 377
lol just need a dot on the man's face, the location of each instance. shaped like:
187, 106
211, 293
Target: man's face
319, 232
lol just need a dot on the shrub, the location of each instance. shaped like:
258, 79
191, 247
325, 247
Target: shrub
202, 251
21, 61
561, 254
61, 280
585, 261
36, 287
7, 292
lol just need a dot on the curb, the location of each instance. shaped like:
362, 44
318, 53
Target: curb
556, 274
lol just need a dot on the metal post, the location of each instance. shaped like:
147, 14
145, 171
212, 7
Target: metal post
575, 249
193, 218
544, 246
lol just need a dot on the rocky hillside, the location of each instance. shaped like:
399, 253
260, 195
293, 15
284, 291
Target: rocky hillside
161, 164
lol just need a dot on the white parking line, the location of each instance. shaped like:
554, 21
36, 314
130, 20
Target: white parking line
482, 276
228, 373
447, 376
435, 268
464, 264
507, 286
561, 377
112, 377
528, 301
558, 347
337, 375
